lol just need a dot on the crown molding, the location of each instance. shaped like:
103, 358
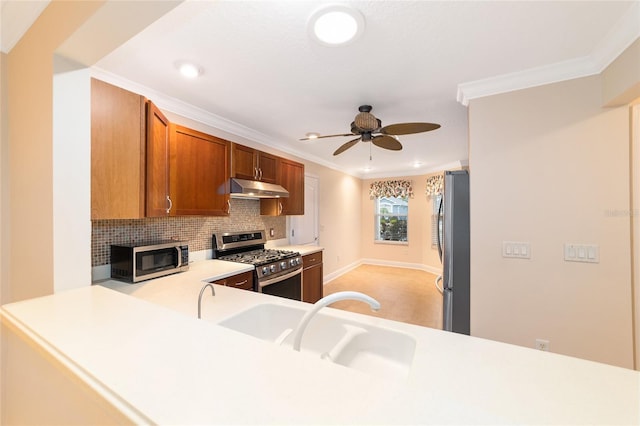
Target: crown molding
621, 36
413, 171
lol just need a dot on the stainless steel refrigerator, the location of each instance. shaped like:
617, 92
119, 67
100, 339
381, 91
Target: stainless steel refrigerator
454, 251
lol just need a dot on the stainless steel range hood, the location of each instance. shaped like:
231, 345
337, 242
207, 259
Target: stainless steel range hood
243, 188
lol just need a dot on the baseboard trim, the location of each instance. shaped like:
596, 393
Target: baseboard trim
332, 276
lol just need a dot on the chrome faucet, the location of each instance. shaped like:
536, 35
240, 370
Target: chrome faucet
213, 293
327, 300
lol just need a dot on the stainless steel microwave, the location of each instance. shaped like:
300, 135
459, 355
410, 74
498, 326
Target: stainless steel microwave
139, 262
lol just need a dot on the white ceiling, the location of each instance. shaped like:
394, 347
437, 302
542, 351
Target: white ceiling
266, 80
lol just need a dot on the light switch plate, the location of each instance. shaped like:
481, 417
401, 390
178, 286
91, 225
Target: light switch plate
586, 253
516, 249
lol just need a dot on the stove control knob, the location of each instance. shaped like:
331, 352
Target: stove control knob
283, 265
265, 270
273, 268
292, 262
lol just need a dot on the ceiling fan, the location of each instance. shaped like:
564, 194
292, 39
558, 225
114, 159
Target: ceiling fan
369, 129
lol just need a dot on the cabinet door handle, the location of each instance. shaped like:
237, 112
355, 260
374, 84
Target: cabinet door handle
255, 173
170, 204
228, 206
260, 174
241, 283
279, 208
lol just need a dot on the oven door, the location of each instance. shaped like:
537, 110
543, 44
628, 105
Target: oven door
288, 285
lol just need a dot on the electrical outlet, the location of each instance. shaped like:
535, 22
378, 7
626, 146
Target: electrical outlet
542, 345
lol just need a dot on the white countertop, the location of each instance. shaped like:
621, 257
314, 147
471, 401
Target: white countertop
175, 369
303, 249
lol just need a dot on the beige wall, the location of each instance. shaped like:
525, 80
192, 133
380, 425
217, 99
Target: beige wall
4, 180
621, 79
339, 218
550, 166
30, 86
418, 253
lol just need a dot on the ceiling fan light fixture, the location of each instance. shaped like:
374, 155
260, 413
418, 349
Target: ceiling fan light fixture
335, 25
312, 135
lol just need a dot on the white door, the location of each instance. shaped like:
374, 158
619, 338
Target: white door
304, 228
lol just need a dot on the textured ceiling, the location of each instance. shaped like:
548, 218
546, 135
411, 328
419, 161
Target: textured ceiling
264, 77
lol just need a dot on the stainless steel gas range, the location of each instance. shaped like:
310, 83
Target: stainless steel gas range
276, 272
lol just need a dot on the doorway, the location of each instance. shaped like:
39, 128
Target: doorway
303, 229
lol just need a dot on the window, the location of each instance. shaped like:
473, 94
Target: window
435, 228
390, 218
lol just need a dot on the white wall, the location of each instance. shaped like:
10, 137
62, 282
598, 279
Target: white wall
550, 166
71, 175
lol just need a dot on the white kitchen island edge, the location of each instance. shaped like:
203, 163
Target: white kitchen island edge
142, 353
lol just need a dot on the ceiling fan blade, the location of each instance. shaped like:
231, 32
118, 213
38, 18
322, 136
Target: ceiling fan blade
387, 142
327, 136
346, 146
408, 128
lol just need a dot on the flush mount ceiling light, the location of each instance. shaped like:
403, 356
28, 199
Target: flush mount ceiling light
335, 25
188, 69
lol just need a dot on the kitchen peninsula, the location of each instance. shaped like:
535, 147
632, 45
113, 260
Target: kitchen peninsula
98, 355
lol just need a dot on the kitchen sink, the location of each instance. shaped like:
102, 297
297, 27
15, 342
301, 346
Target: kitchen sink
375, 350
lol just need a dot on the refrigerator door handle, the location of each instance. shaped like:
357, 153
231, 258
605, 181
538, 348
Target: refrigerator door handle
438, 224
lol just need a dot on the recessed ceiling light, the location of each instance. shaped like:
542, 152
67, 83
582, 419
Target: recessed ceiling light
312, 135
335, 25
417, 164
189, 70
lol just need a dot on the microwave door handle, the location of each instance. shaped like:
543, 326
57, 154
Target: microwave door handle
179, 257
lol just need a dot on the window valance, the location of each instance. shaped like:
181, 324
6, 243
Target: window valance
391, 188
435, 185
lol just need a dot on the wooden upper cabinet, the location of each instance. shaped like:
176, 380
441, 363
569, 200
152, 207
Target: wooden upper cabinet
158, 201
249, 163
291, 177
199, 173
117, 152
243, 162
267, 167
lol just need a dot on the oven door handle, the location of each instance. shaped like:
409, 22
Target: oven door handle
280, 278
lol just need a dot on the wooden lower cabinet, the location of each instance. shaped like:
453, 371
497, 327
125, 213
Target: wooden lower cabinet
312, 277
242, 281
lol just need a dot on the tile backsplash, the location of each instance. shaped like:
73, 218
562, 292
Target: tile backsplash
245, 216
